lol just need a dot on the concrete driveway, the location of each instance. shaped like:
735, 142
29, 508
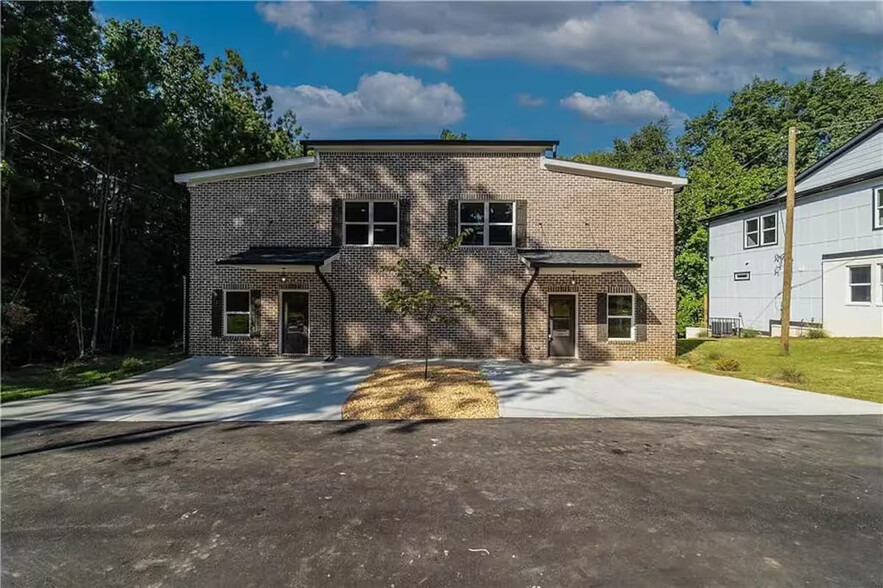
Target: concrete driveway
210, 389
649, 389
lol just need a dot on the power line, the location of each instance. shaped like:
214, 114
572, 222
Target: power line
89, 165
840, 126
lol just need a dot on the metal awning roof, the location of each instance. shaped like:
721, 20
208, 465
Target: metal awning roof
282, 258
574, 259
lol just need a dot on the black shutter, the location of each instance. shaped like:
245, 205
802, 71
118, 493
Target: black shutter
255, 323
217, 313
521, 223
336, 222
602, 317
640, 317
404, 223
453, 221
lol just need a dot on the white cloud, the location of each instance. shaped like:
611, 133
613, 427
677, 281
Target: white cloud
715, 46
621, 106
381, 101
530, 101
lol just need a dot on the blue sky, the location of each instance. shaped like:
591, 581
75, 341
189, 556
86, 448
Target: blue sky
579, 72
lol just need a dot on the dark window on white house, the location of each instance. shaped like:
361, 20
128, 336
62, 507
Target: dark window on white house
769, 229
742, 276
489, 224
860, 283
371, 223
752, 232
878, 207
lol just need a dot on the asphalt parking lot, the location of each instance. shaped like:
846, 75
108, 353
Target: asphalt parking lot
770, 501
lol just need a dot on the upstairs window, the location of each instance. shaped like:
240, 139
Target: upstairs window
490, 224
237, 312
761, 231
878, 207
371, 223
860, 284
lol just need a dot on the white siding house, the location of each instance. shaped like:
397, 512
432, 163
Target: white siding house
838, 249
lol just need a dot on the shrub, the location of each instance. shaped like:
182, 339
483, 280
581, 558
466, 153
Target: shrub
749, 333
790, 374
727, 364
132, 364
815, 334
714, 354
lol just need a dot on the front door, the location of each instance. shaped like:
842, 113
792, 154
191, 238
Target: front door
295, 322
562, 325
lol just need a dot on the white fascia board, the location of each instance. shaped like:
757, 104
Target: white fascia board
434, 148
244, 171
610, 173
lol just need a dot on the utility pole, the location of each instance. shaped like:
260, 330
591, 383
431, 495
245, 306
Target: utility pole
789, 243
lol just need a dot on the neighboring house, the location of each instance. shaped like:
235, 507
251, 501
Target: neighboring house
564, 260
838, 249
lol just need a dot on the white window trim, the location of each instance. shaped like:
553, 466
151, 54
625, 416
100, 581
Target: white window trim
745, 232
850, 284
760, 231
877, 201
370, 223
633, 332
880, 282
228, 334
487, 224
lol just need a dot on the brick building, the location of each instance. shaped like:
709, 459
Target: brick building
563, 260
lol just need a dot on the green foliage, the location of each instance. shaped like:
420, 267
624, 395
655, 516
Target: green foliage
816, 334
649, 149
789, 374
449, 135
727, 364
749, 333
714, 354
132, 364
690, 310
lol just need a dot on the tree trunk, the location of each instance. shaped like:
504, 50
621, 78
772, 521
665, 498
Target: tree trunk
102, 221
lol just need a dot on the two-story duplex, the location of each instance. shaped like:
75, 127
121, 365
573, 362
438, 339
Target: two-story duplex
563, 259
838, 248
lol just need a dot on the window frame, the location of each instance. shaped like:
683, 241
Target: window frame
741, 276
487, 224
879, 282
877, 208
850, 284
760, 230
371, 223
226, 312
632, 330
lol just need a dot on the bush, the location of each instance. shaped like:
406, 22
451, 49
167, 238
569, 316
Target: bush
790, 374
749, 333
714, 354
132, 364
815, 334
727, 364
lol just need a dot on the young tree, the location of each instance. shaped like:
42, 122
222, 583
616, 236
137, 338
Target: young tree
421, 295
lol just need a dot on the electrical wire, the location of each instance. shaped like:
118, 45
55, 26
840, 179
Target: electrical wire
840, 126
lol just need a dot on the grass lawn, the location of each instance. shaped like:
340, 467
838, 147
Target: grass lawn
400, 392
843, 367
39, 379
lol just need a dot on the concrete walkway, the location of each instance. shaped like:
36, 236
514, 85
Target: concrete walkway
649, 389
210, 389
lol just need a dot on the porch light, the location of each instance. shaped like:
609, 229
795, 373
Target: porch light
572, 277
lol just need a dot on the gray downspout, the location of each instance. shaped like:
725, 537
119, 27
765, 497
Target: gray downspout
333, 355
533, 278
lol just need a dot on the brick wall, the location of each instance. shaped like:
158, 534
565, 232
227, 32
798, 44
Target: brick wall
564, 211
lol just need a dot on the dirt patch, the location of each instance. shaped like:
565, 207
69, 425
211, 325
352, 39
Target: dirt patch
400, 392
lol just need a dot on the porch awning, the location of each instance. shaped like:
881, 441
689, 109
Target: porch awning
581, 261
280, 259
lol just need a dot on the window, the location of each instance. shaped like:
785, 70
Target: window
770, 233
878, 207
860, 283
761, 231
237, 312
491, 224
621, 316
880, 268
370, 224
752, 233
742, 276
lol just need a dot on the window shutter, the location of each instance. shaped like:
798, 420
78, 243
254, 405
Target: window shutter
217, 313
404, 222
640, 317
336, 222
521, 223
453, 221
255, 326
602, 318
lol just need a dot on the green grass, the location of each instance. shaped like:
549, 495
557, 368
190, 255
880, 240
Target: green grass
40, 379
843, 367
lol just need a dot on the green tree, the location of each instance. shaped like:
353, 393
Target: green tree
649, 149
449, 135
